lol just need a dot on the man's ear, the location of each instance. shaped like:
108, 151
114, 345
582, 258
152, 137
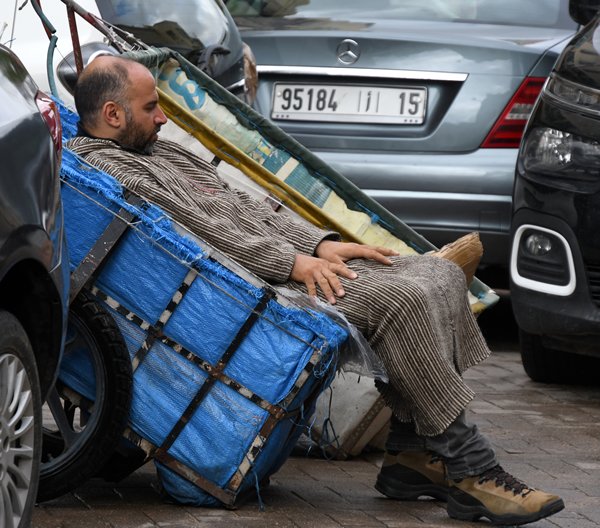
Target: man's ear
113, 114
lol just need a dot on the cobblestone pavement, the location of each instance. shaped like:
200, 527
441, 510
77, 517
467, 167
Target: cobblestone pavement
549, 436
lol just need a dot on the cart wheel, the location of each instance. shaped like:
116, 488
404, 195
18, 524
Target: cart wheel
88, 407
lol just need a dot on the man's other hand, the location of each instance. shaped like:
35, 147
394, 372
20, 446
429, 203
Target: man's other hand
340, 252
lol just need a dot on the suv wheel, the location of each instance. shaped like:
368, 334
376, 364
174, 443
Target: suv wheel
85, 429
20, 424
549, 365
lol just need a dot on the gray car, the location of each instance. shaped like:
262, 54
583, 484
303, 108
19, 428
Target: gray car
34, 281
421, 104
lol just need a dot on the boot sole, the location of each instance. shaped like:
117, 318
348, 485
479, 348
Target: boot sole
410, 492
464, 512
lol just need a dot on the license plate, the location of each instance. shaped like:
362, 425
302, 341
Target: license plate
349, 103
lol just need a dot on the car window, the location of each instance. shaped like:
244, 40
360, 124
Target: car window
546, 13
200, 19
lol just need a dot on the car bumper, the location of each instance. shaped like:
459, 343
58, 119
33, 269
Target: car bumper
567, 315
442, 196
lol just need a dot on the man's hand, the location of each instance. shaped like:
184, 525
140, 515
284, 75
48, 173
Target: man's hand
325, 269
340, 252
313, 271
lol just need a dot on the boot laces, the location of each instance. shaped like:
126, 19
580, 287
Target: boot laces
435, 458
502, 478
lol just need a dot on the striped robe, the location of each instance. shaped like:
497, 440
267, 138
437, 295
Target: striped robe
415, 313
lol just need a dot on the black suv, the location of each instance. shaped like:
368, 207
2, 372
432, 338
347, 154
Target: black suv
555, 259
33, 280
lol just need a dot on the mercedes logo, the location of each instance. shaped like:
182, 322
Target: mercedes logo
348, 51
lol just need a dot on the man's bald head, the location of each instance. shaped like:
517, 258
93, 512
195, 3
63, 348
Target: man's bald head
106, 78
116, 99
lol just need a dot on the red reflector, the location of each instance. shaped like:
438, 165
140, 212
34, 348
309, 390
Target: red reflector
508, 130
51, 116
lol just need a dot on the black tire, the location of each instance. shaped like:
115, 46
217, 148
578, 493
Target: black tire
549, 365
80, 436
21, 406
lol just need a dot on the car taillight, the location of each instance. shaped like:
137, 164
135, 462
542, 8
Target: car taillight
508, 130
51, 116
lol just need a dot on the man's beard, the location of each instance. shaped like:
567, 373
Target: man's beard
134, 138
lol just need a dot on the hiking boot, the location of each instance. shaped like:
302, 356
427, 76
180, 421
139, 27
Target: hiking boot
409, 475
500, 498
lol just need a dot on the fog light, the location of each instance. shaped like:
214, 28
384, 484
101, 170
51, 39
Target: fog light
538, 244
541, 260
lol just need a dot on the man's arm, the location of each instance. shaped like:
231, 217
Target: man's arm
270, 257
293, 250
304, 236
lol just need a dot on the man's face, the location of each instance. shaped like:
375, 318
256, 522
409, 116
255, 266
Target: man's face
143, 116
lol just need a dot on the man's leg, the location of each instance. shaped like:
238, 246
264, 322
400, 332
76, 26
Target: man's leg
465, 451
415, 465
459, 465
416, 317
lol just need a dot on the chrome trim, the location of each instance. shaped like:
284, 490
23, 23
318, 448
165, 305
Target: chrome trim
379, 194
363, 72
239, 84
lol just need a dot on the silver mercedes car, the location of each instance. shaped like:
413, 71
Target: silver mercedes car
420, 103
